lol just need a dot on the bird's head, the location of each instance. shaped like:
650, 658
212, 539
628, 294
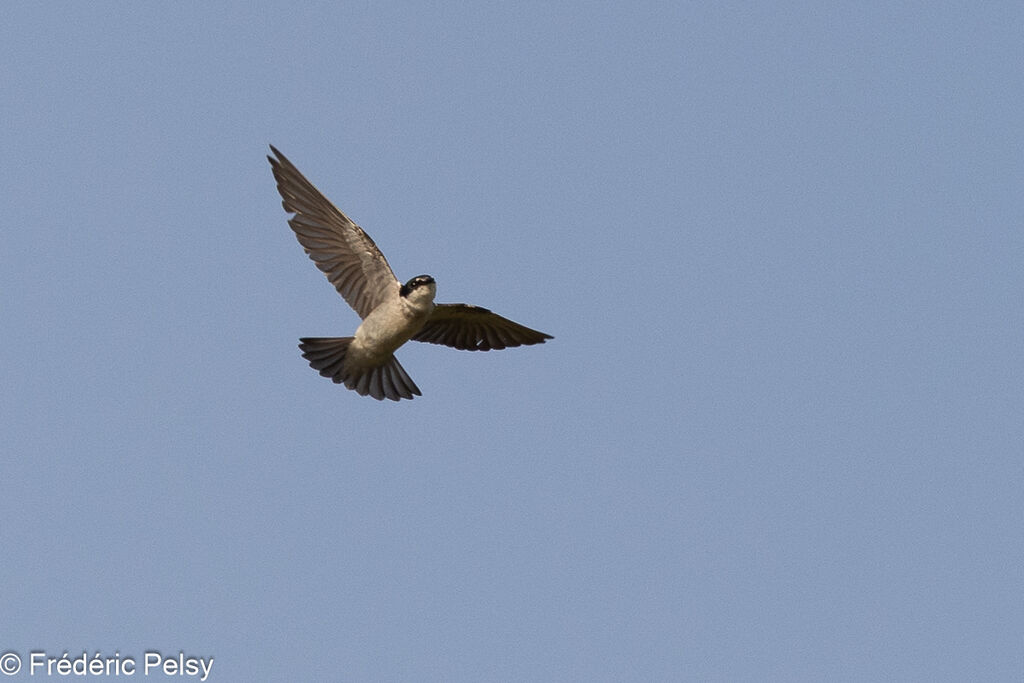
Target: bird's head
420, 288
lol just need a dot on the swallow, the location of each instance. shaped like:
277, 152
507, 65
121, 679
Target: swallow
392, 313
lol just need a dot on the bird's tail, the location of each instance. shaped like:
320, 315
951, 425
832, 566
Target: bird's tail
327, 354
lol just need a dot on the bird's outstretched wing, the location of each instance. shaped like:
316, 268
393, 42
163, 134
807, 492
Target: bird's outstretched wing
472, 328
339, 247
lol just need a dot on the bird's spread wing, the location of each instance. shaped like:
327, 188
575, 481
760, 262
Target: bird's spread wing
472, 328
339, 247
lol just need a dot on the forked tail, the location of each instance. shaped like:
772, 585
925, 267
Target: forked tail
327, 355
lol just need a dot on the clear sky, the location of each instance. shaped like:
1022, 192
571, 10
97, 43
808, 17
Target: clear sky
778, 434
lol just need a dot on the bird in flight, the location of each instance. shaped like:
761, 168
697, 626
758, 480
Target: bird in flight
392, 313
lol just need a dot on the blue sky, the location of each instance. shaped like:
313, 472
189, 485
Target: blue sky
777, 435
